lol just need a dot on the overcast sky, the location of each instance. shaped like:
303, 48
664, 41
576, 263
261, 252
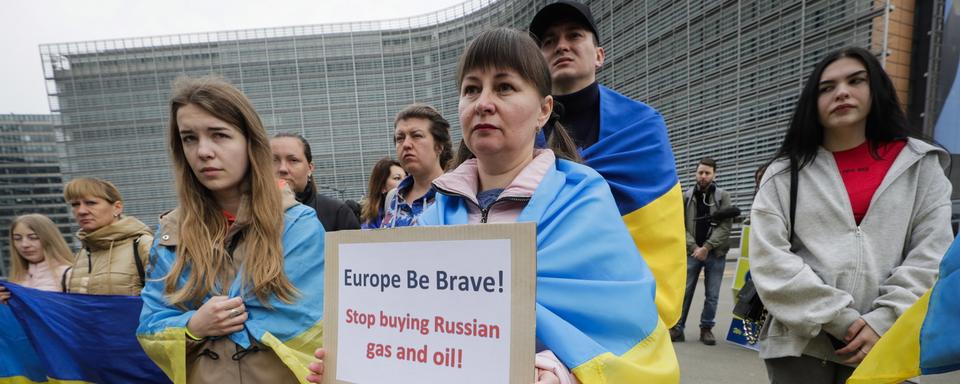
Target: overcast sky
28, 23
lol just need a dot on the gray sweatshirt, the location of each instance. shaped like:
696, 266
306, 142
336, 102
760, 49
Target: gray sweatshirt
837, 271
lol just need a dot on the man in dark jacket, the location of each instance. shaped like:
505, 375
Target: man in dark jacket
707, 246
622, 139
293, 162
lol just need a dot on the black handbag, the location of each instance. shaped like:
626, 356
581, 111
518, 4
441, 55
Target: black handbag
749, 306
750, 309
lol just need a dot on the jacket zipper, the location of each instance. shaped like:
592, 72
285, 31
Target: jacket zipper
483, 212
858, 270
89, 262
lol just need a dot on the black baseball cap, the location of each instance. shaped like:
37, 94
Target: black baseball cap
562, 10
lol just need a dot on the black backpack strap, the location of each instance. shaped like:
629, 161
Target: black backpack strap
63, 279
138, 262
793, 196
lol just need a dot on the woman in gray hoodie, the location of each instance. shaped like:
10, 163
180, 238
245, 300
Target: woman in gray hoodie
837, 260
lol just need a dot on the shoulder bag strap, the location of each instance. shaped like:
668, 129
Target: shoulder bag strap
793, 196
138, 262
63, 279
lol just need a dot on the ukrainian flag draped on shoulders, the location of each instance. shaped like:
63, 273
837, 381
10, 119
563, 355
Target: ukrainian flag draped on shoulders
293, 331
633, 154
595, 295
924, 340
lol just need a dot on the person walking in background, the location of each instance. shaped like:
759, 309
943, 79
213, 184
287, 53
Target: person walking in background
293, 162
237, 280
422, 137
622, 139
849, 224
385, 176
116, 248
707, 246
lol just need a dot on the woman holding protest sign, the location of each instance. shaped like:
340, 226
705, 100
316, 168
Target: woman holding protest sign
236, 290
849, 222
595, 308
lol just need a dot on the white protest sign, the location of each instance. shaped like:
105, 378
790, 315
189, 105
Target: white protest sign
431, 304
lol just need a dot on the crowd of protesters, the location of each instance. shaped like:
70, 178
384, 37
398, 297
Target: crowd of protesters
850, 221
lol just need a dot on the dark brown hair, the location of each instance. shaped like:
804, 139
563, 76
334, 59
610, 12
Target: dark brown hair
375, 194
710, 162
439, 128
506, 48
307, 153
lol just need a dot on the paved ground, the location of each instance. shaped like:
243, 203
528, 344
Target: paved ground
727, 362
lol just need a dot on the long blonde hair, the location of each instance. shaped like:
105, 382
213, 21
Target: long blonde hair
55, 249
203, 228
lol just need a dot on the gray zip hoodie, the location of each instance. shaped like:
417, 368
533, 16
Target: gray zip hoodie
836, 271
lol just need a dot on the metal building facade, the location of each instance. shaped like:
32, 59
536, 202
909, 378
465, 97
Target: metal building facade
30, 178
724, 74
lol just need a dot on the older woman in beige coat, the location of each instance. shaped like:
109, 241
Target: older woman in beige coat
116, 248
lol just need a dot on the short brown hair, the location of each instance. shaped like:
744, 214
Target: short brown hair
708, 162
439, 128
89, 186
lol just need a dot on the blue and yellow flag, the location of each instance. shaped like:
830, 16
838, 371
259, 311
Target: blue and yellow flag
292, 330
633, 154
924, 340
82, 338
595, 295
20, 363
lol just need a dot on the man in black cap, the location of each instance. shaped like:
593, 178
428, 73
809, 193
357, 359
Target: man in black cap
624, 140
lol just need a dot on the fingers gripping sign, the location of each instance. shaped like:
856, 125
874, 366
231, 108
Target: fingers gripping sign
316, 367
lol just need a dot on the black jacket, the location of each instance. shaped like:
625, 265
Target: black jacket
333, 214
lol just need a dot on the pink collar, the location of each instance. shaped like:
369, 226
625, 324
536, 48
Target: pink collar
465, 180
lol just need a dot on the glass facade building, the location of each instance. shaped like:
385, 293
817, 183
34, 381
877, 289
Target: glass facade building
30, 178
724, 74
